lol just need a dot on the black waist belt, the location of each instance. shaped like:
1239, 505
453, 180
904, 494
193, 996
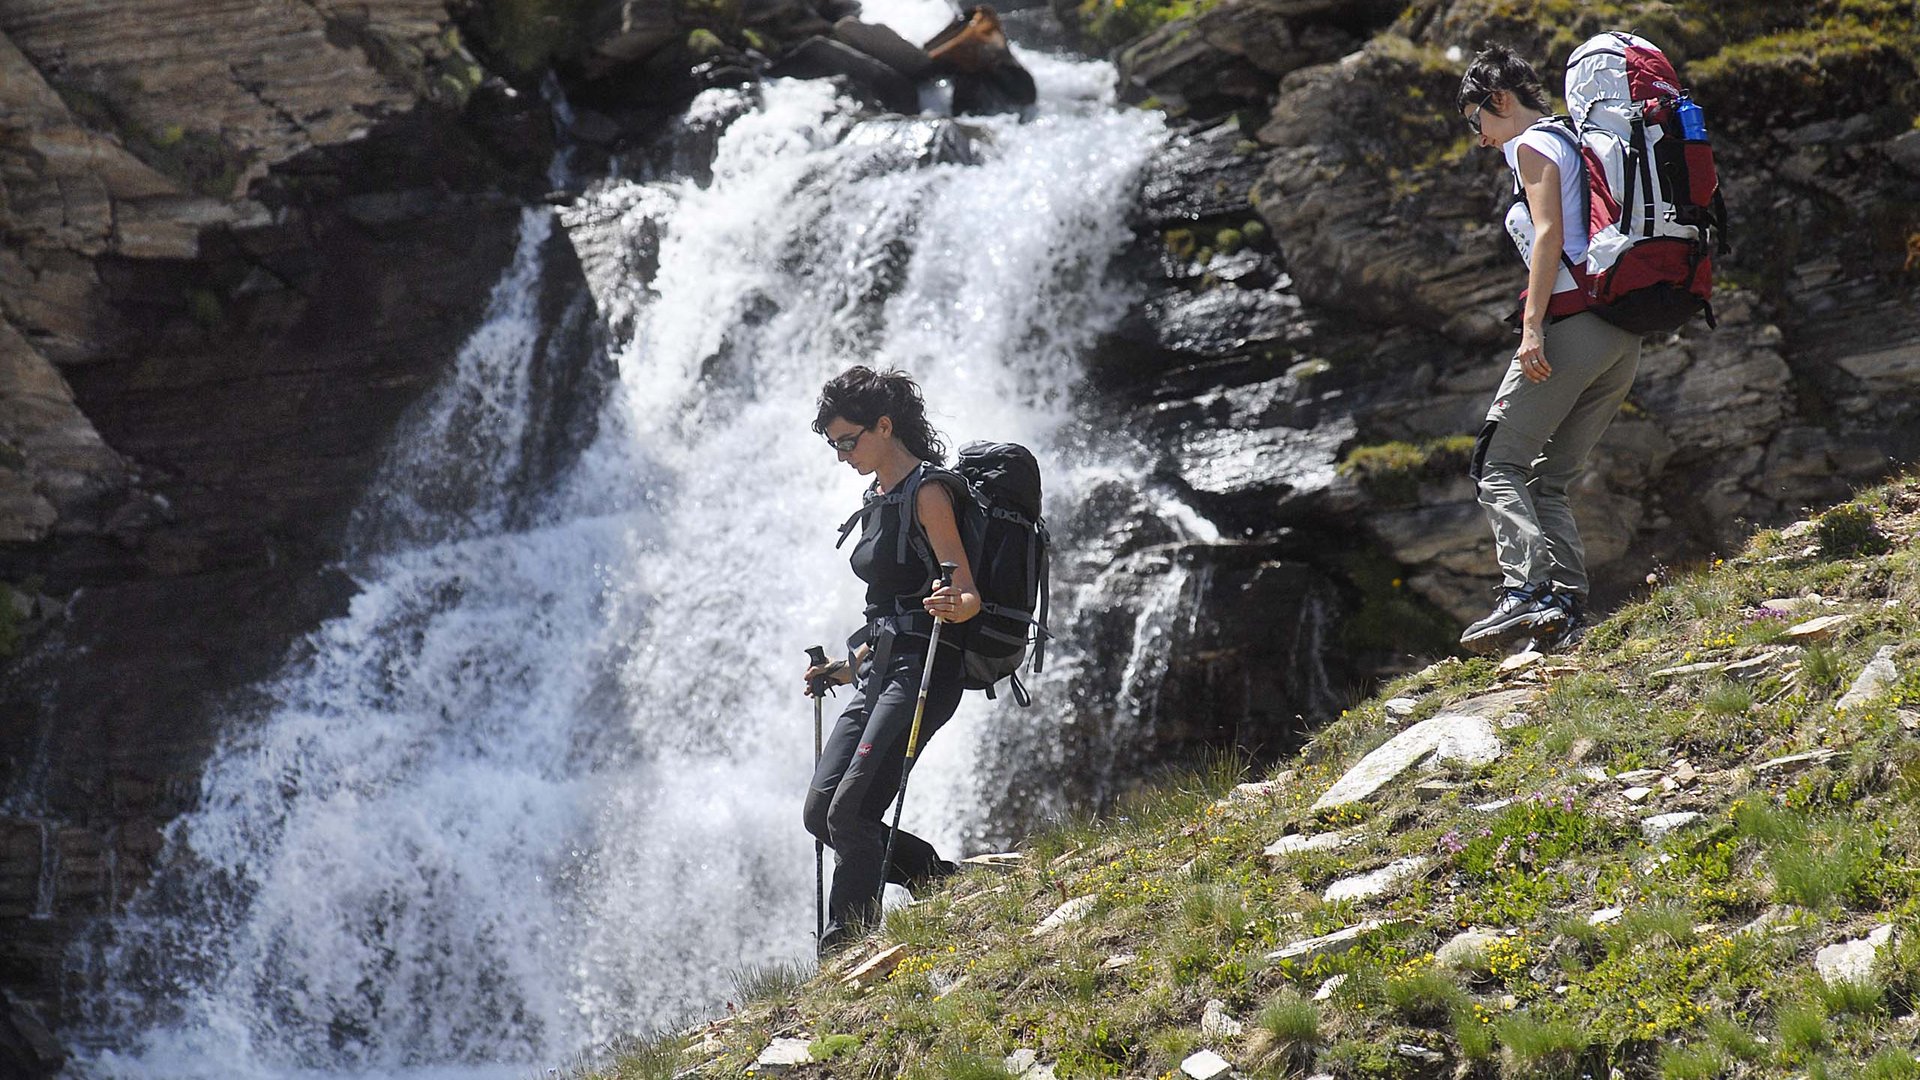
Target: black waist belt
880, 634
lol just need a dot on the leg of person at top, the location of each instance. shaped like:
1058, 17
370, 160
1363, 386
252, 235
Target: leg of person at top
873, 754
1560, 463
1526, 416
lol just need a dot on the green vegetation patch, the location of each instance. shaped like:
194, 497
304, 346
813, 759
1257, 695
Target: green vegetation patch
1392, 471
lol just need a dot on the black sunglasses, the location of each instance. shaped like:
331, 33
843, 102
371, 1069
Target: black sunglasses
845, 443
1473, 118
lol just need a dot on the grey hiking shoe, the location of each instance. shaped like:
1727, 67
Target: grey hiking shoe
1528, 611
1567, 635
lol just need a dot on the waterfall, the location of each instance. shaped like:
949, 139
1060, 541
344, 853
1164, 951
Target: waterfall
539, 787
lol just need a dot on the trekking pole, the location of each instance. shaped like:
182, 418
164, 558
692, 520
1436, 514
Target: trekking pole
913, 734
817, 657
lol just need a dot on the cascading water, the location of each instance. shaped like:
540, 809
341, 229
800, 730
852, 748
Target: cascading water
540, 786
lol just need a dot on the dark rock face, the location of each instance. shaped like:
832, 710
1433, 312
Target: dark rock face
204, 384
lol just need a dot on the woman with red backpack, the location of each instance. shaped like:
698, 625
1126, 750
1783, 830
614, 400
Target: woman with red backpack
1566, 379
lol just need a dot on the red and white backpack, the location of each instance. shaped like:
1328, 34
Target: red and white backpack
1655, 217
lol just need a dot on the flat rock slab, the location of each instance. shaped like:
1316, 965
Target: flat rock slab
1383, 880
1605, 916
1793, 763
1637, 794
1658, 826
999, 860
1520, 661
1852, 961
1874, 680
877, 968
1821, 628
1684, 670
1329, 944
1206, 1065
1467, 738
785, 1054
1115, 963
1295, 843
1070, 912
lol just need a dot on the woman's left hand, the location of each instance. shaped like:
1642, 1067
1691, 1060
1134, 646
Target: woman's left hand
1532, 355
951, 604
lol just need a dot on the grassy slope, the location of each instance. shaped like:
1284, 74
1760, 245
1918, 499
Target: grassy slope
1676, 987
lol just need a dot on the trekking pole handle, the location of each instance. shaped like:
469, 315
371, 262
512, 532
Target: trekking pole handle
817, 657
947, 570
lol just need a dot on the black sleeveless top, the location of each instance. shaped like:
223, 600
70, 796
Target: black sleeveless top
895, 584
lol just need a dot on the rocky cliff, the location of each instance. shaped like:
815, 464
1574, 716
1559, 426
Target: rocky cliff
241, 237
1333, 280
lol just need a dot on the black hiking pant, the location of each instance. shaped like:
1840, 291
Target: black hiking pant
861, 766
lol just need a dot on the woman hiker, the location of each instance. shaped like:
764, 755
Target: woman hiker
1566, 380
877, 423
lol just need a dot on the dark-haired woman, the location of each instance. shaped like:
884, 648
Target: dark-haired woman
877, 423
1565, 381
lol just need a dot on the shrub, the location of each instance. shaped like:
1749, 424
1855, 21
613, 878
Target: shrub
1291, 1019
1850, 530
1802, 1029
1893, 1063
1701, 1061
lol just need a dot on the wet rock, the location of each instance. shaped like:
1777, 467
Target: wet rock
27, 1049
1199, 175
1222, 322
1289, 471
867, 79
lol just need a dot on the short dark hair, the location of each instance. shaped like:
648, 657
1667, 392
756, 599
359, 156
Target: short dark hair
1500, 68
862, 396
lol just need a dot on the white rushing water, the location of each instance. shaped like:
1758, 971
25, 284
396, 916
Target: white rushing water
540, 786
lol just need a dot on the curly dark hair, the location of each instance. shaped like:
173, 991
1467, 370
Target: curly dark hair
1500, 68
863, 395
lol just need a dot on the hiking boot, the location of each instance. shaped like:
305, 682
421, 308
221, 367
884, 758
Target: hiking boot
1525, 611
1567, 635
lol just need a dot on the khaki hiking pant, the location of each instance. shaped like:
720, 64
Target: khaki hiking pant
1536, 440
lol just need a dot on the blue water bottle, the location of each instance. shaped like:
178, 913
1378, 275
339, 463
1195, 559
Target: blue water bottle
1693, 125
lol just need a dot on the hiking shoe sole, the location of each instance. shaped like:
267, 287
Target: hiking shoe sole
1524, 624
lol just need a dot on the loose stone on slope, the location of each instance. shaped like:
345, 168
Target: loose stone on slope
1818, 629
876, 969
1216, 1024
1070, 912
1852, 961
999, 860
1329, 944
1368, 886
1793, 763
1874, 680
785, 1054
1466, 952
1658, 826
1206, 1065
1294, 843
1463, 733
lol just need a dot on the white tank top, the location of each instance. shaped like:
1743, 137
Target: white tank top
1573, 178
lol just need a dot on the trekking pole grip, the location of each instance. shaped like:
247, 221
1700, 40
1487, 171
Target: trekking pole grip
947, 570
817, 657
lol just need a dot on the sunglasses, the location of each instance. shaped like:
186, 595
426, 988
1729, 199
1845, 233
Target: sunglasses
845, 443
1473, 118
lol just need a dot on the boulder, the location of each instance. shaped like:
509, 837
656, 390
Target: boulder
867, 79
881, 43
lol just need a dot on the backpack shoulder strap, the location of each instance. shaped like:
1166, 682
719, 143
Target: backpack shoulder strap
1563, 128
